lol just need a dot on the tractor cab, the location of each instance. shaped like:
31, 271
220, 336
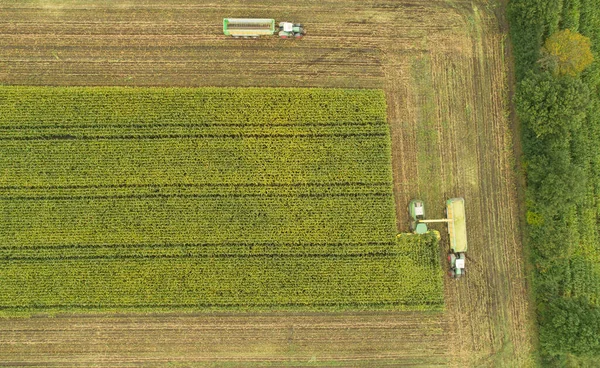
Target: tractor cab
288, 30
457, 264
416, 210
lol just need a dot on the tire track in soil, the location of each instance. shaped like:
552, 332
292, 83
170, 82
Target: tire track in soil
223, 337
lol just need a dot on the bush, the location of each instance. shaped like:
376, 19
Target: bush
552, 106
571, 326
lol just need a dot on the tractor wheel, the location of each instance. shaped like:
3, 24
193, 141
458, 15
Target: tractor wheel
452, 274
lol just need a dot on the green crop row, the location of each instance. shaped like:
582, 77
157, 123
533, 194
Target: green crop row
35, 106
418, 248
285, 219
162, 250
395, 280
195, 160
201, 190
55, 133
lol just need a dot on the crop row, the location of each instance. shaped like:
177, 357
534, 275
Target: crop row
168, 161
339, 219
199, 131
99, 191
99, 251
260, 281
420, 249
31, 106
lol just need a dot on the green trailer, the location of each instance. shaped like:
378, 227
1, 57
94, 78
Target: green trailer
256, 27
248, 28
457, 231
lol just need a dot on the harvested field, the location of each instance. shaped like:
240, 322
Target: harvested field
442, 66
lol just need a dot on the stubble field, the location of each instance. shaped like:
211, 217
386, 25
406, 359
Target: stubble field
442, 66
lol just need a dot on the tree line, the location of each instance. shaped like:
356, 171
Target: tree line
558, 104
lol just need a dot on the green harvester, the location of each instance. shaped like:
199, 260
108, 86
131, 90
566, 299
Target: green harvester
416, 210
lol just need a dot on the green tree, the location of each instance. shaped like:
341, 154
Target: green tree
571, 326
567, 52
552, 106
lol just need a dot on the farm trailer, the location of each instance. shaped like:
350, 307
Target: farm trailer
255, 27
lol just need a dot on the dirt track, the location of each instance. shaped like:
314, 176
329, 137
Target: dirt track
359, 339
443, 69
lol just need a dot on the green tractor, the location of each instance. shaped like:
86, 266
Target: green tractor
416, 210
291, 30
457, 264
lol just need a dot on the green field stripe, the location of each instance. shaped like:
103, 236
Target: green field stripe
221, 186
52, 309
138, 196
194, 131
193, 191
190, 125
142, 136
166, 161
198, 220
200, 250
244, 281
114, 105
280, 246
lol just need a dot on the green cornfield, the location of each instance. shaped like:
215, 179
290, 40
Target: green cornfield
206, 198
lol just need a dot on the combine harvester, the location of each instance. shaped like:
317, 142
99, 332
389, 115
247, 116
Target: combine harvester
254, 28
457, 230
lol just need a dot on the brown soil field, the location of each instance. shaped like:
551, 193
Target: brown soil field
445, 70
